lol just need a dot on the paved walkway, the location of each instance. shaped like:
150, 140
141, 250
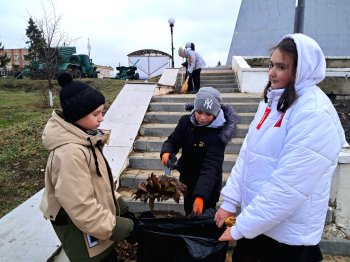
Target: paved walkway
332, 258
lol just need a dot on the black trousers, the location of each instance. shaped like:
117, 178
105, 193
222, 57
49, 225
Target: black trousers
266, 249
194, 82
112, 257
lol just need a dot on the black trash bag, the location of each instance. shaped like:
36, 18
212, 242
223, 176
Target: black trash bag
180, 239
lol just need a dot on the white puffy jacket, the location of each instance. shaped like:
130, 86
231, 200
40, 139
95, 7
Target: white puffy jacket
282, 176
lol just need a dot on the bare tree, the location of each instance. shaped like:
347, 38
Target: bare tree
53, 38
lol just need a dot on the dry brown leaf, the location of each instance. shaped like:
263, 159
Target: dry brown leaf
159, 188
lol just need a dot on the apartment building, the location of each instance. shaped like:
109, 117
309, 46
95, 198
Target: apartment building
17, 61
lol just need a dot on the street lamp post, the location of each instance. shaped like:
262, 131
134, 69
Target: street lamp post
171, 22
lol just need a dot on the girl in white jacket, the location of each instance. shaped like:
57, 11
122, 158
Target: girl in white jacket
282, 176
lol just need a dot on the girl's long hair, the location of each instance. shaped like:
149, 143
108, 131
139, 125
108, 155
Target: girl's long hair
286, 47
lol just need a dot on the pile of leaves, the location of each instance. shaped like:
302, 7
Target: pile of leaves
126, 251
160, 188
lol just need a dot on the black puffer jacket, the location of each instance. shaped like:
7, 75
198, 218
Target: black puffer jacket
200, 164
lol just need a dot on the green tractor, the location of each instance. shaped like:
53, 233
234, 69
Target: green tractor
78, 65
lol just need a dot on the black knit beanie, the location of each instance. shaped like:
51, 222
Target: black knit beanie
77, 99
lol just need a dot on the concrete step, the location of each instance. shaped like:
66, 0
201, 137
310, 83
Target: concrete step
173, 117
216, 80
167, 129
217, 83
226, 98
226, 90
222, 79
212, 75
179, 107
210, 71
151, 160
132, 177
154, 144
137, 206
218, 75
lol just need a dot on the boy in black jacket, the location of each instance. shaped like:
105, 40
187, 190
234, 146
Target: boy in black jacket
202, 135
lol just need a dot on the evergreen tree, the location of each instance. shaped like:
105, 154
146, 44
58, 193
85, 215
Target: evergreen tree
36, 44
3, 58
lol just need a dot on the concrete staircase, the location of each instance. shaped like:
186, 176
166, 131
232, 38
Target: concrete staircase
160, 120
221, 78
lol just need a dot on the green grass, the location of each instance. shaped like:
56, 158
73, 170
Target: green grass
23, 115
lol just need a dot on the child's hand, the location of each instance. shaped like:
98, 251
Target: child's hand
198, 206
165, 158
221, 215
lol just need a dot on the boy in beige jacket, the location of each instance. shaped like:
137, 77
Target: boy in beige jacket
79, 197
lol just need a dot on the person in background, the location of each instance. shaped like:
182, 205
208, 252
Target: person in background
281, 179
195, 65
79, 197
202, 136
185, 64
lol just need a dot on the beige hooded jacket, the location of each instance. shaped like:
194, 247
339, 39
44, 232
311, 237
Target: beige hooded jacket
73, 183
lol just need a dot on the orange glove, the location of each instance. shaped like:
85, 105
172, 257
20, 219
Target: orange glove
165, 158
198, 206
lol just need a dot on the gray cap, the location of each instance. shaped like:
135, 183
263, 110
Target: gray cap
208, 100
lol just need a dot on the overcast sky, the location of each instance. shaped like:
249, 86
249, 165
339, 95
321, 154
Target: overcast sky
116, 28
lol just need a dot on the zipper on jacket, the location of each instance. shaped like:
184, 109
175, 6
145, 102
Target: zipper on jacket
266, 114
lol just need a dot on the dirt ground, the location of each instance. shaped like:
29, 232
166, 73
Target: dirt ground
343, 109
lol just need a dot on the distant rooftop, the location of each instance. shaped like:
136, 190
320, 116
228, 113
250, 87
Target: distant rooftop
148, 52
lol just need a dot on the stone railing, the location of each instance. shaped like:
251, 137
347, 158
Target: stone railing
252, 75
340, 189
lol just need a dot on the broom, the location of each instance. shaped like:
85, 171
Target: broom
185, 86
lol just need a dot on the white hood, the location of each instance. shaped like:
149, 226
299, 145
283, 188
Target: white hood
311, 68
